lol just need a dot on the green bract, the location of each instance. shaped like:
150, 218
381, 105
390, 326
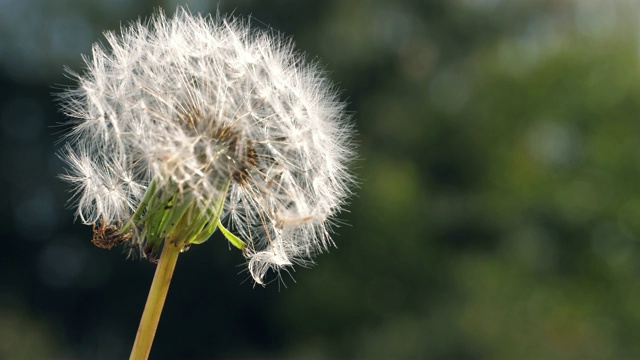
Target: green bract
166, 214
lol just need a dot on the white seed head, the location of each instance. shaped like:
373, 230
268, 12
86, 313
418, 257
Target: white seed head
215, 109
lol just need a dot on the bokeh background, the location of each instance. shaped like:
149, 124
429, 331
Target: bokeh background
498, 214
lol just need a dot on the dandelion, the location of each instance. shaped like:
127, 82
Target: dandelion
191, 124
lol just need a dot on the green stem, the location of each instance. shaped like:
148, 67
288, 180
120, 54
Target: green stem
155, 302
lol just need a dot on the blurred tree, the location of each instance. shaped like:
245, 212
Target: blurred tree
496, 215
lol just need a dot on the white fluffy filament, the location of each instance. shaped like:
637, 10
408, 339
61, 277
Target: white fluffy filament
195, 101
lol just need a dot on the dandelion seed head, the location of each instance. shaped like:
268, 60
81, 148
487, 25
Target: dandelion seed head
216, 110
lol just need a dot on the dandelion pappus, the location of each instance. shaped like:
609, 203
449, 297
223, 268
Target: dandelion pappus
283, 222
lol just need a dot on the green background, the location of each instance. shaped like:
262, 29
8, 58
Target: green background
496, 217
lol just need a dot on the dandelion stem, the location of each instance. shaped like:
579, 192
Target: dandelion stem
155, 302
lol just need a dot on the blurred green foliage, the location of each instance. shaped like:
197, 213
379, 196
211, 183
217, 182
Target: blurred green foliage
496, 215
